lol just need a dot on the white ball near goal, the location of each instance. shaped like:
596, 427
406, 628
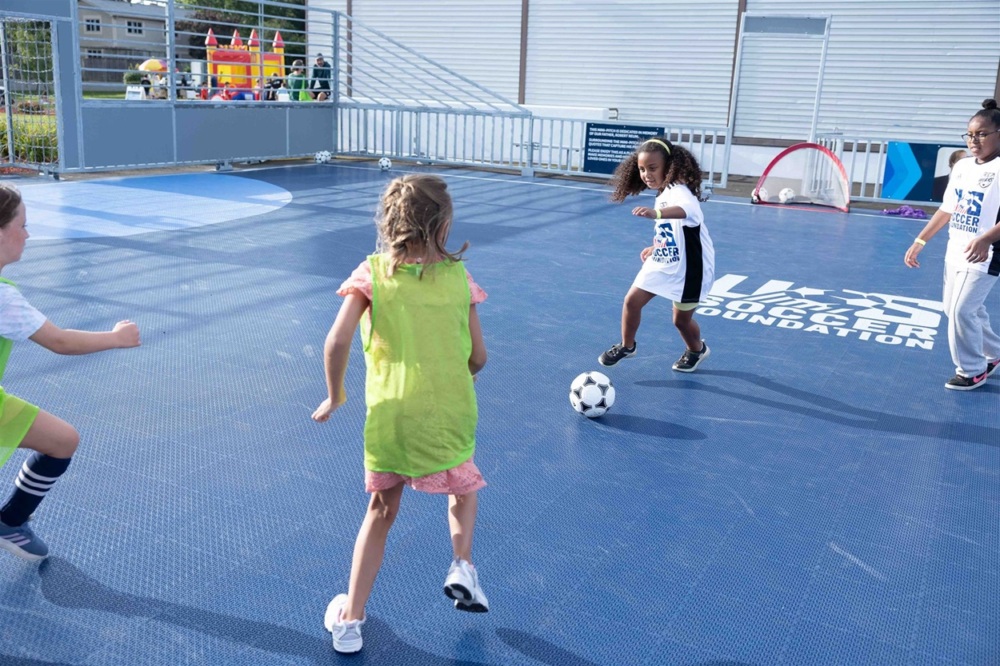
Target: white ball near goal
786, 195
384, 164
591, 394
323, 156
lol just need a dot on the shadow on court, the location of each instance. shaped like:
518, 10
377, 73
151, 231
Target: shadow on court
65, 585
839, 412
652, 427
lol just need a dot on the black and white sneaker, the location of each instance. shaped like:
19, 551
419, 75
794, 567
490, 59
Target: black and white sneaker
960, 383
690, 360
991, 366
616, 353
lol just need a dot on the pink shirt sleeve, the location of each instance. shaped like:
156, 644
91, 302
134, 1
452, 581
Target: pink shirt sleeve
360, 282
478, 295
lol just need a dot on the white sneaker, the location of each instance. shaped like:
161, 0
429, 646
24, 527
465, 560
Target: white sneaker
462, 585
346, 634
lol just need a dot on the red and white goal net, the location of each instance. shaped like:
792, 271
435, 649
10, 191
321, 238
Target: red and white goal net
804, 174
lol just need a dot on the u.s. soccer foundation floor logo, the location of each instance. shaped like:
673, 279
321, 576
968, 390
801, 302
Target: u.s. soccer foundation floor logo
869, 317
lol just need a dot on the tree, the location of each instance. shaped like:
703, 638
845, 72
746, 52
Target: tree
29, 52
196, 17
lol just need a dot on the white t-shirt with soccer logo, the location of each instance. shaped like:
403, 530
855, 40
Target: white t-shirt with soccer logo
682, 264
973, 201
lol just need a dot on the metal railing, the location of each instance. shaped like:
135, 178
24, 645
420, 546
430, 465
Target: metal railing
863, 159
441, 136
496, 139
558, 146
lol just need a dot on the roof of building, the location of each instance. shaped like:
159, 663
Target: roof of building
122, 8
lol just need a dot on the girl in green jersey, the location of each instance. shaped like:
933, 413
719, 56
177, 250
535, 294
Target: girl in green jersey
423, 344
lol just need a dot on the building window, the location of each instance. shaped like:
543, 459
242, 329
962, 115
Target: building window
135, 27
95, 53
93, 25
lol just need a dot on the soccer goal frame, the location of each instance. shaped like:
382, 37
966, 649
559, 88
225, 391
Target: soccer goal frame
804, 174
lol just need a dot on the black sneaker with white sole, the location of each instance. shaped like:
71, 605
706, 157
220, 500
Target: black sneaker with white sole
616, 353
690, 360
991, 366
960, 383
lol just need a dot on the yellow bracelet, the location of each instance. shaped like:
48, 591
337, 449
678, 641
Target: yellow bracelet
659, 215
921, 241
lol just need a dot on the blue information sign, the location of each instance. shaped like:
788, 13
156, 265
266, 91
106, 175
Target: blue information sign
606, 144
918, 171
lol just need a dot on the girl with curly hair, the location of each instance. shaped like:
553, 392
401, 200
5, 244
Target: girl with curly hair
680, 264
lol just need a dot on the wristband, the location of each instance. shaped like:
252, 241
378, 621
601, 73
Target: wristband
920, 241
659, 215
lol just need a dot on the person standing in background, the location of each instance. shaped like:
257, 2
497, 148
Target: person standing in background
321, 78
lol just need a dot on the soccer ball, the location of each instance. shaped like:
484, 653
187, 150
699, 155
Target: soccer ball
591, 394
384, 163
323, 156
786, 195
760, 194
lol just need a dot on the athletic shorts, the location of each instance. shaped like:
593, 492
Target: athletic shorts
16, 416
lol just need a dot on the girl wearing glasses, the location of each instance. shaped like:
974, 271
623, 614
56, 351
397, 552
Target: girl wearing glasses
971, 209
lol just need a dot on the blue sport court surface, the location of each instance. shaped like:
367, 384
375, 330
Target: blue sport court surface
811, 495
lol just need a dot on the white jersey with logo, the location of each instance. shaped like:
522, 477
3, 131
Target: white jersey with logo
973, 201
682, 264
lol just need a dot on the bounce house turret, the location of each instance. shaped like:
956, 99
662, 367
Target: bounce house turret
244, 67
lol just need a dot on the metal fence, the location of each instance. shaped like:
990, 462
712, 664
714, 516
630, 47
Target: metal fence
516, 141
158, 84
863, 159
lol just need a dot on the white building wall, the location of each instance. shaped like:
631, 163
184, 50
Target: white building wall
320, 26
900, 68
479, 39
895, 68
665, 61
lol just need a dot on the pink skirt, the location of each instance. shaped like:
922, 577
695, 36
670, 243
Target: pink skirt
461, 480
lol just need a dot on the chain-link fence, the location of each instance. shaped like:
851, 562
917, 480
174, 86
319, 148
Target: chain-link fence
28, 131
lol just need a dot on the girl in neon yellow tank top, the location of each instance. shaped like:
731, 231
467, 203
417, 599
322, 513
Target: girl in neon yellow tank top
23, 425
423, 345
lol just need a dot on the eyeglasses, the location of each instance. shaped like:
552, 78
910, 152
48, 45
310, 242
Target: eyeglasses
978, 136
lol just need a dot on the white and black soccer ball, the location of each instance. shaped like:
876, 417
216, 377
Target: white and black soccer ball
384, 163
592, 394
760, 194
323, 156
786, 195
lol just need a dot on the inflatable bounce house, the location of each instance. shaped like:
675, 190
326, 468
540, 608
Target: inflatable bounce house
244, 67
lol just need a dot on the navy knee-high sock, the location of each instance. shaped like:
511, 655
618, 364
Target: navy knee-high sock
37, 476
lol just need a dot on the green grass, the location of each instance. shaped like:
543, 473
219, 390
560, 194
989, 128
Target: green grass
103, 94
